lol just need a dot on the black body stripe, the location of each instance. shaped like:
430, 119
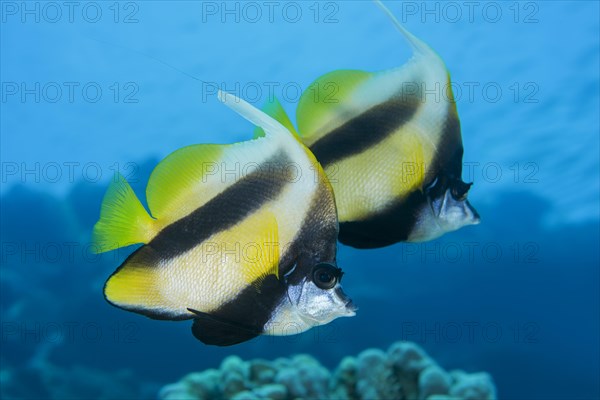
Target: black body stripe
448, 157
396, 222
251, 309
365, 130
224, 210
392, 225
316, 240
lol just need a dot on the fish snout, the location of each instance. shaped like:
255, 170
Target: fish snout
348, 306
474, 217
351, 308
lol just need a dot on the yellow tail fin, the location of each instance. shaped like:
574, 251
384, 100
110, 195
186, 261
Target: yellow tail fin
123, 219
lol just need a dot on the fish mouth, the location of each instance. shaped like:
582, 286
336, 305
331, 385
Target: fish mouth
350, 306
476, 218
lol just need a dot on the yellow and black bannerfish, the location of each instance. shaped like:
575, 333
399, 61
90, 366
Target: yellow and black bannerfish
240, 237
392, 152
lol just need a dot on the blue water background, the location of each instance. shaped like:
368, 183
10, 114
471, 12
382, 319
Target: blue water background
517, 296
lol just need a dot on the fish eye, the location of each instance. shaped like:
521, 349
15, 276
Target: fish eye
326, 276
460, 189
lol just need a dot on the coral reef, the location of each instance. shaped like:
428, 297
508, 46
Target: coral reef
405, 371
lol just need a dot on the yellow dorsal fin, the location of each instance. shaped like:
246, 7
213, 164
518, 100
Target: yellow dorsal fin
179, 176
275, 110
324, 102
123, 219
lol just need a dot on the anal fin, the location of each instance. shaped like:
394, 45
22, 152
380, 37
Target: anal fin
216, 331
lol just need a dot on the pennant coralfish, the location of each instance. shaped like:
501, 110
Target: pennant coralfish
393, 154
251, 255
